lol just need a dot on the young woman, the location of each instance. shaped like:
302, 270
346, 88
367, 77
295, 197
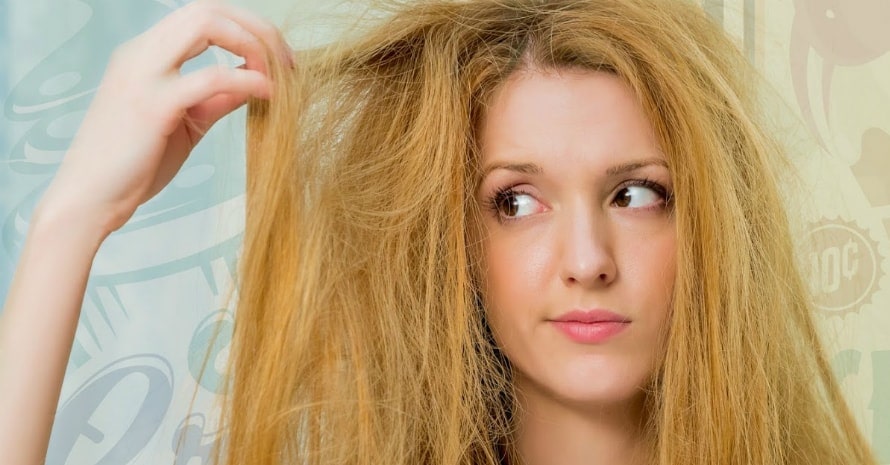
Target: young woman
493, 231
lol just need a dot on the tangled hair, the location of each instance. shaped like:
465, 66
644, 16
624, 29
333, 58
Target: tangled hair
359, 337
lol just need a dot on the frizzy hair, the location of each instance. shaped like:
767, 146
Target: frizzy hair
359, 337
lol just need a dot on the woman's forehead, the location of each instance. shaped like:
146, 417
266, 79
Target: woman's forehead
570, 116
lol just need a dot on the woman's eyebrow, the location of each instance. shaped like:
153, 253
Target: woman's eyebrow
617, 170
524, 168
628, 167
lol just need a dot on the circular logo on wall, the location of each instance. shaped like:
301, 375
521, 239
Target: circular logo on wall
845, 266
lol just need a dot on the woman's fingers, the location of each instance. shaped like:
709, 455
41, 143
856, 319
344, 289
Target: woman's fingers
265, 30
190, 30
175, 100
198, 86
208, 112
204, 29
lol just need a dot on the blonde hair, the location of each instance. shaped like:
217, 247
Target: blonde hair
359, 336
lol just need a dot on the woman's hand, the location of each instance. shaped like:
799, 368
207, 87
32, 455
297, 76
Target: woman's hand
143, 123
146, 117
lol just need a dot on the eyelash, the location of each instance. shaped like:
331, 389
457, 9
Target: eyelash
662, 191
495, 200
502, 193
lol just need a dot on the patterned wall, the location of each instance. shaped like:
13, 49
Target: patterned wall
159, 285
828, 62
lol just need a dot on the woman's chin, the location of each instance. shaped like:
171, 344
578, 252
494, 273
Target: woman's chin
590, 392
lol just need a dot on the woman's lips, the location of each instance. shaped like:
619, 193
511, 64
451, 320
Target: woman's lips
590, 326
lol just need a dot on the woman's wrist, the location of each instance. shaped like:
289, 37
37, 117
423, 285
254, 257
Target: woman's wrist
81, 228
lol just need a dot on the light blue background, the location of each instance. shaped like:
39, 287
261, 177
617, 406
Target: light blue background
158, 284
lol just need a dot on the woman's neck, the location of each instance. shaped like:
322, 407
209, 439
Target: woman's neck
556, 432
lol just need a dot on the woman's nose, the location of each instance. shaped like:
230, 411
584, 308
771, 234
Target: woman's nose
587, 257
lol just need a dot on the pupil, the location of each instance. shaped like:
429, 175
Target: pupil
509, 205
623, 199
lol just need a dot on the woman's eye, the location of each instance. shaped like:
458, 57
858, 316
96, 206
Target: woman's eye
511, 204
638, 197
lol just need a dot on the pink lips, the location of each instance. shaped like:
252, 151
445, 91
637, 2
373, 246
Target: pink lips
590, 326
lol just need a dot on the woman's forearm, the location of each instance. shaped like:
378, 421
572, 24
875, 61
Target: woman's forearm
145, 119
37, 329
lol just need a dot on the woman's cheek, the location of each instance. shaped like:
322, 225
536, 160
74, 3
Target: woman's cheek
518, 264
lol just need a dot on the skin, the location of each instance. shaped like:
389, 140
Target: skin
144, 121
568, 235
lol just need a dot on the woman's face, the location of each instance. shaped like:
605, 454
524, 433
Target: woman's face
580, 245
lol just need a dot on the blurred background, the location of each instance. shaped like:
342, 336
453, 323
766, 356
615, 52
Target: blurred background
134, 393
